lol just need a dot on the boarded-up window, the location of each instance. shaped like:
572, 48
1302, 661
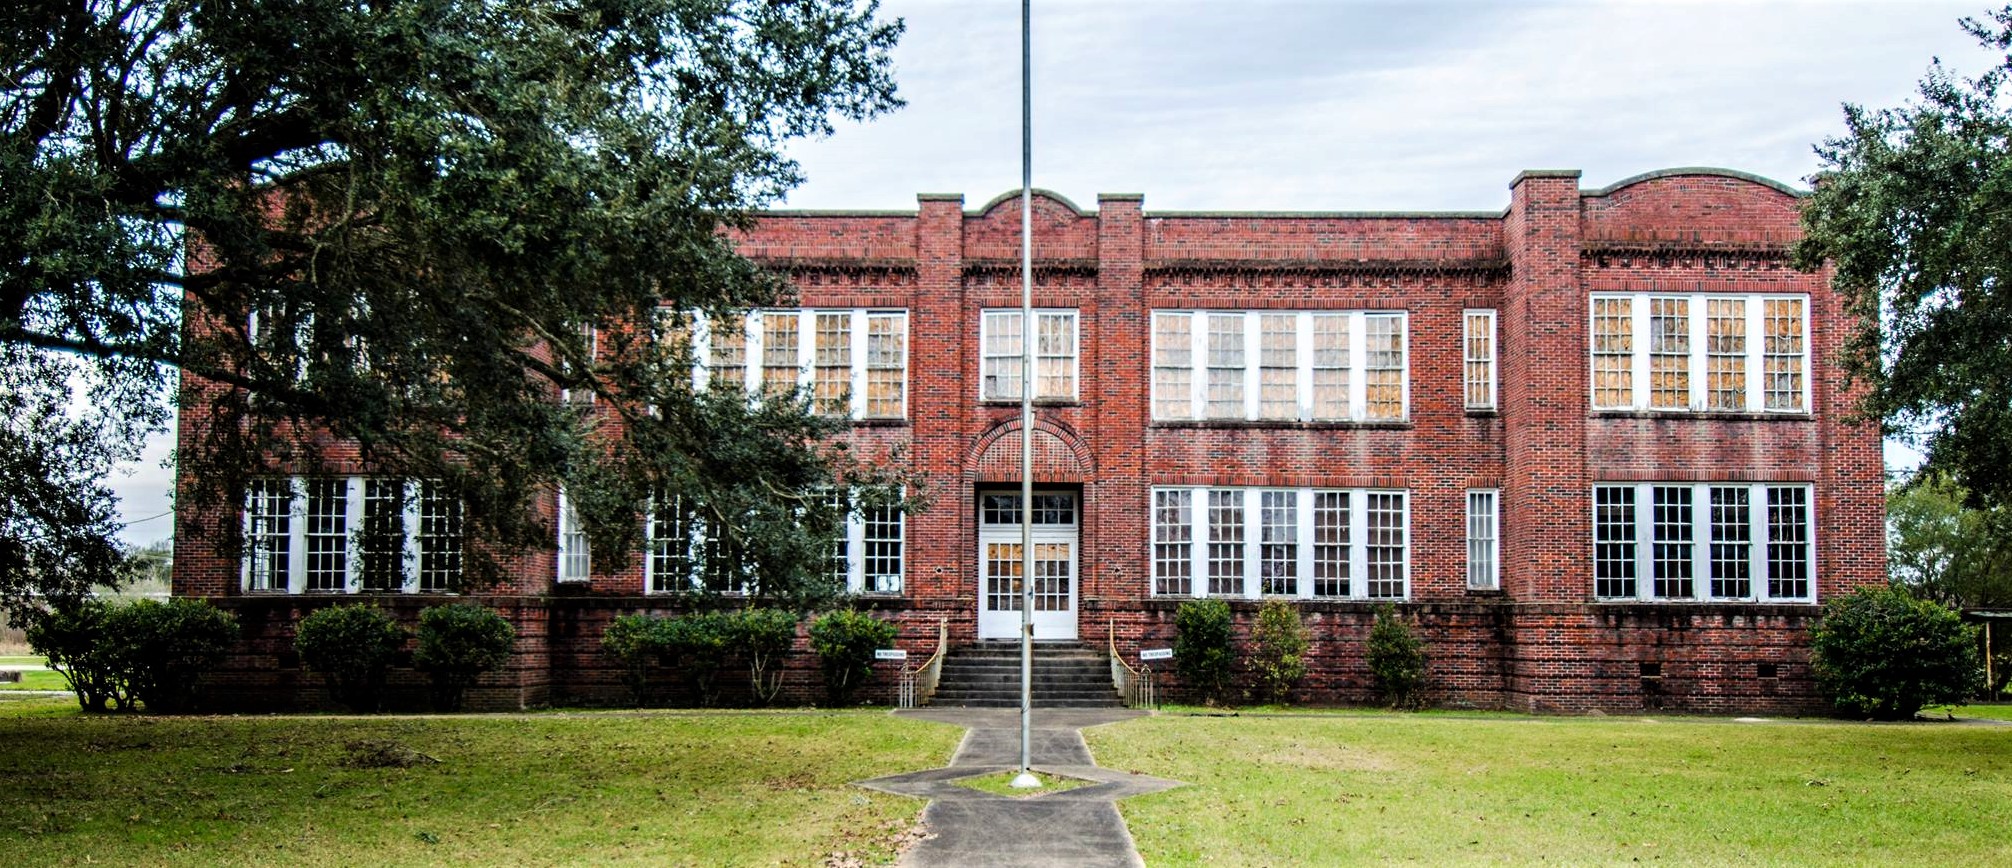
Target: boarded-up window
1726, 354
1330, 366
1383, 367
1669, 353
1278, 366
1613, 353
779, 352
1225, 399
1480, 359
886, 365
1173, 367
1785, 355
831, 362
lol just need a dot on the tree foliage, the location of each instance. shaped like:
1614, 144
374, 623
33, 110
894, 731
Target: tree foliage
1913, 208
1944, 551
408, 225
143, 651
1883, 653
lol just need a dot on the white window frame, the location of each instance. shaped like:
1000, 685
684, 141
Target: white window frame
1484, 539
295, 538
575, 561
1700, 541
1697, 316
1468, 318
853, 543
986, 321
1194, 515
754, 328
1253, 411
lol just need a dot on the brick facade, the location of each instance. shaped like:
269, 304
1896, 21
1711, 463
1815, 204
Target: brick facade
1542, 640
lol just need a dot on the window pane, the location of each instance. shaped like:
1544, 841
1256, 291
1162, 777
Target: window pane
1613, 353
1226, 543
883, 540
1173, 543
1480, 359
1386, 545
1726, 354
1669, 353
1330, 544
1278, 363
886, 365
831, 372
440, 539
1383, 366
1173, 366
381, 540
1788, 543
1225, 397
573, 555
779, 347
1055, 356
729, 349
1481, 539
1614, 541
1330, 366
1278, 552
268, 534
1732, 543
1784, 360
1672, 554
672, 535
326, 534
1002, 355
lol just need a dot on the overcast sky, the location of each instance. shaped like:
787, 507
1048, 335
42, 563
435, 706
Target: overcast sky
1347, 106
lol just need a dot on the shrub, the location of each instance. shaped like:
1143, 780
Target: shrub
1396, 660
72, 637
1882, 653
1203, 654
1278, 650
457, 643
845, 641
166, 647
697, 645
763, 637
637, 642
352, 647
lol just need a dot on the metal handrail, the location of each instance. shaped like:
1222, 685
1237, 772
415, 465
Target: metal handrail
1135, 686
918, 683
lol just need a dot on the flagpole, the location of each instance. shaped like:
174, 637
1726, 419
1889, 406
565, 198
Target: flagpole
1026, 778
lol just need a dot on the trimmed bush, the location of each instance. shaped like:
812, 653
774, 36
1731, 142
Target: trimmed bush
352, 647
457, 643
1203, 654
636, 642
167, 646
1396, 660
1882, 653
73, 638
763, 637
845, 641
698, 645
1278, 650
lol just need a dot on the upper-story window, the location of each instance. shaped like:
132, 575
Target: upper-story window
1283, 366
1479, 357
854, 362
1706, 352
1055, 355
350, 534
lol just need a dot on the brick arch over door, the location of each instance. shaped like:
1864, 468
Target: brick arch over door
1059, 455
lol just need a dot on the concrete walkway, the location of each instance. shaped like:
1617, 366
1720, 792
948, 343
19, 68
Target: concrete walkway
1078, 827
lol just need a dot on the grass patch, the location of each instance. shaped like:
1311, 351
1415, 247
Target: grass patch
1349, 788
1975, 712
1001, 784
37, 679
22, 660
541, 789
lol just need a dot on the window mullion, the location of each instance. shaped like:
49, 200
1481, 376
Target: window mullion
1198, 542
1303, 536
296, 522
1756, 352
352, 522
856, 338
1358, 544
806, 351
1645, 542
1695, 314
1701, 541
408, 572
1758, 530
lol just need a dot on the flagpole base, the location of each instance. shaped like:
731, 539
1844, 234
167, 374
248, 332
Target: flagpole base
1025, 781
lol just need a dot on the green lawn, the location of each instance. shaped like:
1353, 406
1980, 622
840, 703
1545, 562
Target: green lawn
660, 788
1368, 787
37, 679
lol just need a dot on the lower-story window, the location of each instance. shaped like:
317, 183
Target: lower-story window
350, 534
689, 553
1702, 541
1289, 542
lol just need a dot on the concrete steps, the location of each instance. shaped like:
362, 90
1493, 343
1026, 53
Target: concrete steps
987, 675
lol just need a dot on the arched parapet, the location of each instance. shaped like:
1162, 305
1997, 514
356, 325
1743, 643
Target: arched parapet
1692, 208
1061, 229
1060, 455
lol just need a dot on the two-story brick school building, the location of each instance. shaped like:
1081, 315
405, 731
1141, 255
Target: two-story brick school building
1594, 444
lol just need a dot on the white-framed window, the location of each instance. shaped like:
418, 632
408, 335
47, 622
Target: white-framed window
1478, 332
1280, 366
1484, 539
1703, 541
1699, 352
590, 338
1281, 542
853, 361
687, 554
1056, 342
575, 562
334, 534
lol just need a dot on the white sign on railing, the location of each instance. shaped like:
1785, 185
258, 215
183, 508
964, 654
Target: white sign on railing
1155, 654
890, 654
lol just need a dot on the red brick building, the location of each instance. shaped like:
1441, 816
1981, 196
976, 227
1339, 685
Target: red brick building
1594, 444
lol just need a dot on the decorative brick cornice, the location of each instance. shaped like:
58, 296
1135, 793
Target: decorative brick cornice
1712, 256
845, 272
1322, 273
1078, 273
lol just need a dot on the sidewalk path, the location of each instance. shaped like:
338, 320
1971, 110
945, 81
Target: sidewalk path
1078, 827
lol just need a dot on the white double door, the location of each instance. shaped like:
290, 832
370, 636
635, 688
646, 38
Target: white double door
1000, 564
